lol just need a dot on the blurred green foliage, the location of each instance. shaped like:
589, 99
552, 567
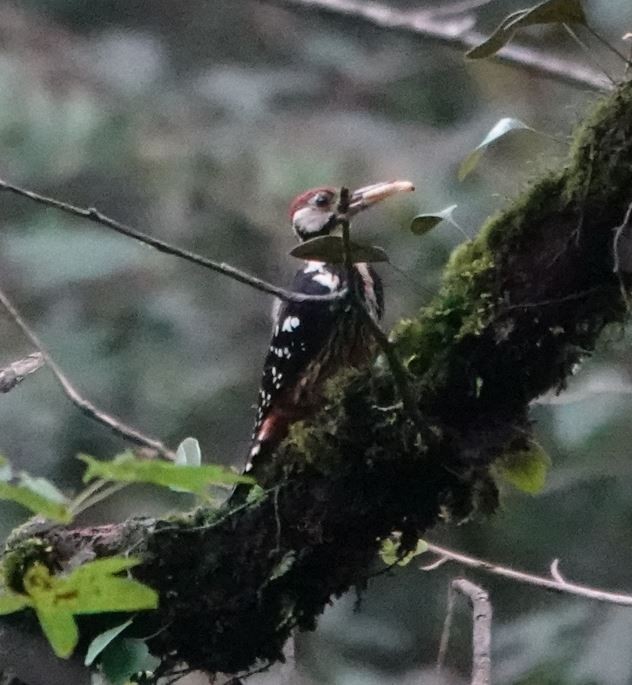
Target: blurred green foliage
198, 122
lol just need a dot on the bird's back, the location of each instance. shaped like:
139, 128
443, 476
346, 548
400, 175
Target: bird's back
311, 341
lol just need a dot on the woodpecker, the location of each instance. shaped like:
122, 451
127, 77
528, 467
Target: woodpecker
312, 340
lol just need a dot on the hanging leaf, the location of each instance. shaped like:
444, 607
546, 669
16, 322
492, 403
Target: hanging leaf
501, 129
122, 659
548, 12
525, 470
390, 551
126, 468
330, 249
102, 640
187, 454
92, 588
424, 223
37, 494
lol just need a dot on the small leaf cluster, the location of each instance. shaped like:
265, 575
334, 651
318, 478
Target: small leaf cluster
94, 587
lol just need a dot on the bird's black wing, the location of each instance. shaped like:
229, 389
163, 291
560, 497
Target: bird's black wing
300, 331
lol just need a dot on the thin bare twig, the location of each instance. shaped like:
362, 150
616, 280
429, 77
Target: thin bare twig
86, 407
481, 629
556, 582
619, 232
626, 224
589, 53
447, 629
607, 44
458, 34
397, 369
95, 216
455, 8
16, 372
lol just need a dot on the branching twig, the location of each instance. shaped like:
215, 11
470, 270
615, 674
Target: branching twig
87, 408
457, 34
94, 215
481, 629
589, 53
555, 583
16, 372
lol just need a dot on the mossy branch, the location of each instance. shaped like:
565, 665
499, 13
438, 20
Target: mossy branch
519, 307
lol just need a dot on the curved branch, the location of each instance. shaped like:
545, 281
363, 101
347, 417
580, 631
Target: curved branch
457, 33
97, 217
115, 425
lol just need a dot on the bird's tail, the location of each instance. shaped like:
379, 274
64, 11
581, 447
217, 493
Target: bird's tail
260, 452
267, 438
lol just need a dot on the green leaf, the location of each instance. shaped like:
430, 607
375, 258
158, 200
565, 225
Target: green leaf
390, 551
126, 468
60, 629
424, 223
548, 12
93, 588
38, 495
102, 640
501, 128
12, 601
329, 249
255, 494
124, 658
187, 454
89, 589
525, 470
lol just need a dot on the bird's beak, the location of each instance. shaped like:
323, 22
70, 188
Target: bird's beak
371, 195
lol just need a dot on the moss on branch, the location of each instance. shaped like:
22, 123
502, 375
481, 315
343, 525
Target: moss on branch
519, 307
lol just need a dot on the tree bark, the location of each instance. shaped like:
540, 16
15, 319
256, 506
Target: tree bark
519, 308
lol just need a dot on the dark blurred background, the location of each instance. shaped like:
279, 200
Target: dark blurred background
198, 121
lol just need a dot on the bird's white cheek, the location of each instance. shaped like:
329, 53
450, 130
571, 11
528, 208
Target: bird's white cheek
309, 220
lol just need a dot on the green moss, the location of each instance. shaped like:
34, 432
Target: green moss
600, 159
463, 307
19, 558
514, 246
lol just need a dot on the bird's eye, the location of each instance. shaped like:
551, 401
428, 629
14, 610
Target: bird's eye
321, 200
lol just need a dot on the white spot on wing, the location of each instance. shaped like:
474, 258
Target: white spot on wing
327, 279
